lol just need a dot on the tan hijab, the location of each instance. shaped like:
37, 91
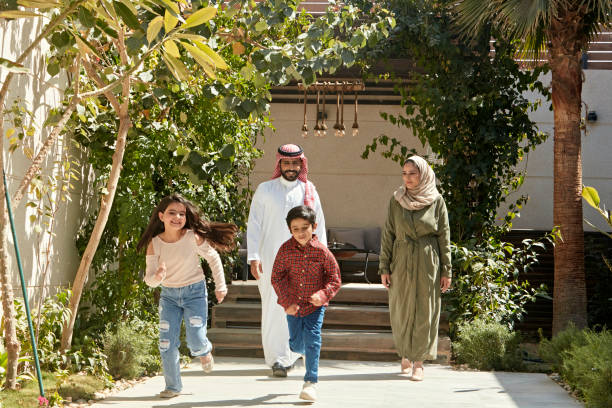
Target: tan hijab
422, 195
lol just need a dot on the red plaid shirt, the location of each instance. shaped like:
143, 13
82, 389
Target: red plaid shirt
301, 271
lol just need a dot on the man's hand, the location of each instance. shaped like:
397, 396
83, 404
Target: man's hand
256, 269
292, 310
160, 275
220, 295
385, 278
316, 300
445, 284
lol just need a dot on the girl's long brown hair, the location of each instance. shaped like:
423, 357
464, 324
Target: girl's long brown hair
221, 235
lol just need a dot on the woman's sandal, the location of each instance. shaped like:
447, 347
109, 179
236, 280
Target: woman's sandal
406, 365
417, 374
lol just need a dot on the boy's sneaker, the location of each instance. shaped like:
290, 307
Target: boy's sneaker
278, 370
309, 392
168, 394
207, 365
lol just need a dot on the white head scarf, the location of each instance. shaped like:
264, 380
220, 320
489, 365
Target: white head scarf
424, 193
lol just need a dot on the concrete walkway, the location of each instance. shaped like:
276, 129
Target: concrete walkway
245, 382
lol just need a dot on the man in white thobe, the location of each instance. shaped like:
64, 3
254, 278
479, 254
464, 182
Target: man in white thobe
266, 232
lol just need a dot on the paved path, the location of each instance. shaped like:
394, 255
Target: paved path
245, 382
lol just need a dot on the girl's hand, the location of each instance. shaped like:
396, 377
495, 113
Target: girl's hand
220, 294
445, 284
385, 278
316, 300
292, 310
160, 275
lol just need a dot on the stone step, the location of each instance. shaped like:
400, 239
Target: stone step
338, 344
356, 316
349, 293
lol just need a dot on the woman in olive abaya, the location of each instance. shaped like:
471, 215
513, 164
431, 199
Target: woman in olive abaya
415, 264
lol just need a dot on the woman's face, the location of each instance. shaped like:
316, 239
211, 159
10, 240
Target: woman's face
411, 175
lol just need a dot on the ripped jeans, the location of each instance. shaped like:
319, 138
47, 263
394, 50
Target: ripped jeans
190, 303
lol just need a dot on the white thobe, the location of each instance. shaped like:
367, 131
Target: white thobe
266, 231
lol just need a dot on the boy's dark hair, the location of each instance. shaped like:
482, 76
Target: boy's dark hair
301, 211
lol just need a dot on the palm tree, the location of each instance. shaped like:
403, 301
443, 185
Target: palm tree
557, 31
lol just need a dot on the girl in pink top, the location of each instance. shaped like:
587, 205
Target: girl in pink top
176, 238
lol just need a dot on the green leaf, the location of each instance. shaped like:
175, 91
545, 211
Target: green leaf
217, 59
200, 17
86, 18
261, 26
53, 69
202, 59
172, 49
170, 21
126, 15
228, 151
18, 14
591, 196
154, 28
177, 68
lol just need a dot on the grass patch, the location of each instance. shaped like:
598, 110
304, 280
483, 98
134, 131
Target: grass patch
77, 386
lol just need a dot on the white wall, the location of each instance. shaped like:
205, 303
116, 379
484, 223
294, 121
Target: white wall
355, 192
42, 94
596, 157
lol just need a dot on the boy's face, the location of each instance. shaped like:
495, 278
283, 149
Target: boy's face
302, 230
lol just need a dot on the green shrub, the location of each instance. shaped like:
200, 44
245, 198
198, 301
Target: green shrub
553, 350
588, 368
487, 345
128, 350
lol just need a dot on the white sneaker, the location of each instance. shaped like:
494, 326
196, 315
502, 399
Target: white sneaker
309, 392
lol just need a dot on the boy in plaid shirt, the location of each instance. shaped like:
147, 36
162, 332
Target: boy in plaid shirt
305, 277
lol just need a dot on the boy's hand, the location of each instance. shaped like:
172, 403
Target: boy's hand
292, 310
160, 275
256, 269
316, 300
220, 295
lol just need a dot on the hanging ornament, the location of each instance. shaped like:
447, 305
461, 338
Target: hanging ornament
305, 126
342, 127
317, 128
355, 124
337, 124
323, 125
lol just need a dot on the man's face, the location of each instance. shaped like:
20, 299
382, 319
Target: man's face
290, 168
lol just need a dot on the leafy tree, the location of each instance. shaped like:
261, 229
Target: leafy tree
111, 40
469, 108
557, 31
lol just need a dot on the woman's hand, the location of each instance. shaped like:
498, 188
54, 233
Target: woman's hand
386, 280
220, 295
445, 284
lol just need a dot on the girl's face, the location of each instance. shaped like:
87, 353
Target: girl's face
174, 216
411, 175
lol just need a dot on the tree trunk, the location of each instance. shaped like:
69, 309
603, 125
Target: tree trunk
569, 297
11, 343
105, 207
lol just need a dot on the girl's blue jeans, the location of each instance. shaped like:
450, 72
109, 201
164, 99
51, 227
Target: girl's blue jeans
305, 338
176, 304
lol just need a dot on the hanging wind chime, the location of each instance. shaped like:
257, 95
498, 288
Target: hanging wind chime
322, 89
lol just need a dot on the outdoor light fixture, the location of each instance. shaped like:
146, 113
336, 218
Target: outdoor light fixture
322, 89
592, 116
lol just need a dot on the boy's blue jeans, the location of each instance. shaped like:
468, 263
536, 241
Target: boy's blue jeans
188, 302
305, 338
